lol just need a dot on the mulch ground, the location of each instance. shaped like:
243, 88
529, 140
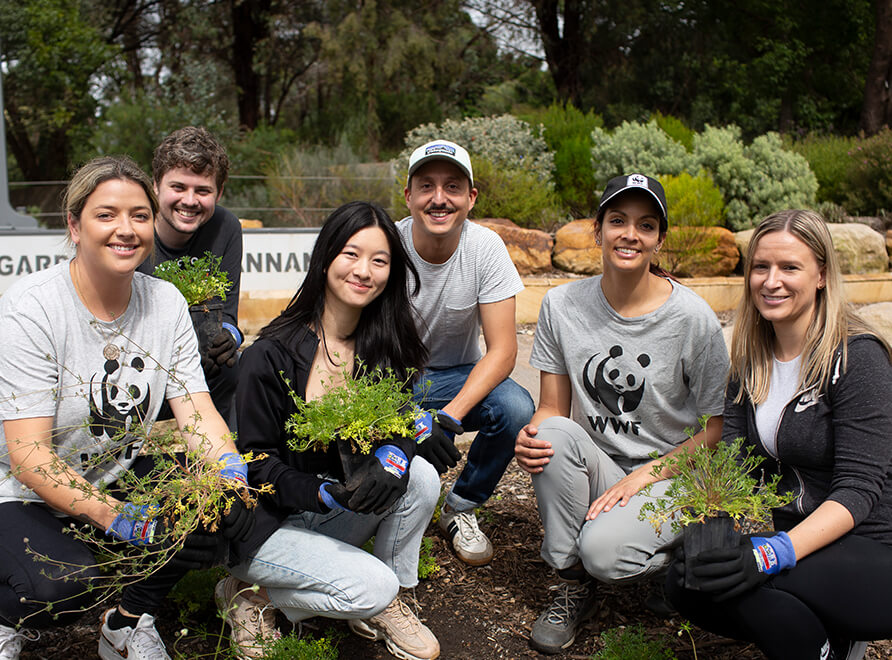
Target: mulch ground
482, 613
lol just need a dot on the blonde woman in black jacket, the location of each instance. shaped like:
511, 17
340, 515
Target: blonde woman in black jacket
809, 389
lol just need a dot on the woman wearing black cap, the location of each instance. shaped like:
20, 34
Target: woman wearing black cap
628, 360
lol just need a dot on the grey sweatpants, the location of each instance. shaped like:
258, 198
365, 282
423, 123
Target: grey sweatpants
615, 546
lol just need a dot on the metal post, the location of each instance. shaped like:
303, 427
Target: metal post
9, 218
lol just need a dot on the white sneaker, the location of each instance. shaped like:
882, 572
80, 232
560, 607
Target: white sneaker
140, 643
12, 641
471, 545
403, 634
251, 618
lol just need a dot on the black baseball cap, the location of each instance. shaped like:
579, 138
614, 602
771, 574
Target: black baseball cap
621, 184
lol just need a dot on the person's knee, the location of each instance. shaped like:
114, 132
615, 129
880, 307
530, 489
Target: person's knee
377, 593
424, 483
610, 556
511, 403
61, 598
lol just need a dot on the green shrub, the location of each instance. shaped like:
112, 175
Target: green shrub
756, 180
868, 186
828, 157
694, 203
503, 140
635, 147
516, 195
568, 133
676, 129
313, 181
632, 643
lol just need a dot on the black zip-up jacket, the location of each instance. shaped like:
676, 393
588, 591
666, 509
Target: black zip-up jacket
834, 444
263, 404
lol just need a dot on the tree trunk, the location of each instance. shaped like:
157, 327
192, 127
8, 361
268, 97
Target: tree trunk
563, 52
249, 27
877, 110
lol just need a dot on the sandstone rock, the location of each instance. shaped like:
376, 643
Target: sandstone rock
251, 224
860, 248
889, 245
880, 316
871, 221
530, 249
699, 252
575, 250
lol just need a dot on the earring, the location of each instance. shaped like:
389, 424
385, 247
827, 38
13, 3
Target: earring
597, 241
657, 249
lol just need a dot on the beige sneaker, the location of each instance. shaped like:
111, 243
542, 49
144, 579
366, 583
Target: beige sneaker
251, 617
405, 636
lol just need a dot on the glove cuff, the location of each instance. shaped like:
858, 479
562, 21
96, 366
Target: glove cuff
393, 459
443, 412
327, 499
234, 332
773, 554
234, 467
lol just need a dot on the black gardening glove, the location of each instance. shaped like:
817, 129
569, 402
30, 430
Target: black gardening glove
730, 572
220, 352
237, 521
435, 435
379, 482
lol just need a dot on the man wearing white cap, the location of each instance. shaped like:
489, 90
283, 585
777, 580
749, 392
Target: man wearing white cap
468, 283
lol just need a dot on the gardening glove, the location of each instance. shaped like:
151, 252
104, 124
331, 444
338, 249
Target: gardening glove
334, 495
139, 526
220, 352
731, 572
435, 435
234, 468
379, 481
237, 521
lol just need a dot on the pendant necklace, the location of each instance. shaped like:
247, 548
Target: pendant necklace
110, 351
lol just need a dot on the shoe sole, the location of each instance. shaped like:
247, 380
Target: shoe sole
362, 629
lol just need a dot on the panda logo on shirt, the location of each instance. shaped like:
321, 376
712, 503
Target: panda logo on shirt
121, 399
619, 380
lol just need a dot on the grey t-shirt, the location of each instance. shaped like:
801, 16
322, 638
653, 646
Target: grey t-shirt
93, 378
637, 383
480, 271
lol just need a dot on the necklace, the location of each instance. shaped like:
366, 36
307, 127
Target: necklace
110, 351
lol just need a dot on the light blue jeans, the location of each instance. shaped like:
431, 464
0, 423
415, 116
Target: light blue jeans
497, 419
613, 547
313, 565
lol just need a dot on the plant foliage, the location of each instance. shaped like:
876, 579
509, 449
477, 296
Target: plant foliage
868, 187
198, 280
709, 481
369, 407
632, 643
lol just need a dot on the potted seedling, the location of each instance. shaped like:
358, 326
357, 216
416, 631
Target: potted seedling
712, 494
201, 282
365, 411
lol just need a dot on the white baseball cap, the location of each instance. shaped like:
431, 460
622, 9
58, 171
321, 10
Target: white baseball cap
441, 150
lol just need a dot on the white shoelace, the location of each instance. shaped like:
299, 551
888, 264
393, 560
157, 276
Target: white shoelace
466, 522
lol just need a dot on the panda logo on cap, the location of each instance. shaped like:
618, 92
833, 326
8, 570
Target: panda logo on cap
638, 180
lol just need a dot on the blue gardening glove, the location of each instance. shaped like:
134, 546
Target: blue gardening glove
731, 572
435, 435
334, 495
139, 526
378, 482
234, 467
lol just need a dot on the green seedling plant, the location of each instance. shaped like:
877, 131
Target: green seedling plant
632, 643
198, 280
369, 407
709, 482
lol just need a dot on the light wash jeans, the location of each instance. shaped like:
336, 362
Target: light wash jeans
313, 565
613, 547
497, 419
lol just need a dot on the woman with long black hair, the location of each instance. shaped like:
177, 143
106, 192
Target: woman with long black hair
351, 314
